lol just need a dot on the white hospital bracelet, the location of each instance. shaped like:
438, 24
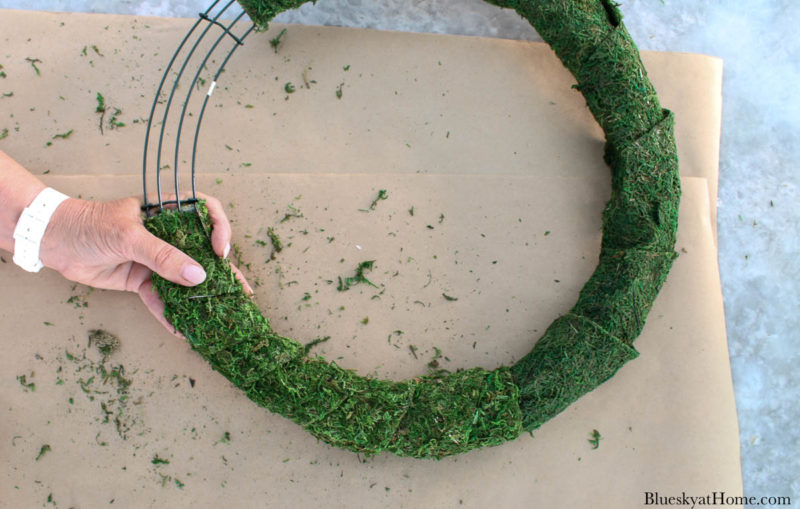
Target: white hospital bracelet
31, 227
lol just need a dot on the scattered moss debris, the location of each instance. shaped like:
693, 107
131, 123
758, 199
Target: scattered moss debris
114, 122
159, 461
63, 136
42, 451
339, 92
105, 383
4, 133
101, 103
447, 297
595, 439
23, 381
101, 109
382, 195
226, 438
293, 212
276, 41
289, 88
277, 245
306, 81
311, 344
33, 62
80, 300
346, 283
434, 365
104, 341
422, 417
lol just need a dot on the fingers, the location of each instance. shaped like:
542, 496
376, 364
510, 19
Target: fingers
220, 227
165, 260
240, 277
155, 305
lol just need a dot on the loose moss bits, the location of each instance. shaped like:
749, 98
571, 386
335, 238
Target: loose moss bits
114, 122
23, 381
382, 195
276, 41
101, 103
159, 461
104, 341
311, 344
42, 451
105, 383
63, 136
595, 439
277, 245
347, 282
293, 213
33, 62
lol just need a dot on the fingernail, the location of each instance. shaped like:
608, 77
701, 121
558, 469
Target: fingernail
227, 250
194, 274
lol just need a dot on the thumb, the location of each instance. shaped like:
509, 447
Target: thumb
166, 260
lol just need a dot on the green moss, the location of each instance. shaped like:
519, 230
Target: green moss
336, 405
106, 342
42, 451
276, 41
445, 414
262, 12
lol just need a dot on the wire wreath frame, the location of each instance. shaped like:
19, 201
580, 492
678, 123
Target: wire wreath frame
231, 31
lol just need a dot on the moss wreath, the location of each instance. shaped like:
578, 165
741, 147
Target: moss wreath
439, 415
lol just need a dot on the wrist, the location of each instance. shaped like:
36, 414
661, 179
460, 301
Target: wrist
62, 234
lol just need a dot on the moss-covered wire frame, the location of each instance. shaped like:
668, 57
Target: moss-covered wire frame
440, 415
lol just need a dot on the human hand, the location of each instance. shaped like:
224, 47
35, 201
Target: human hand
105, 245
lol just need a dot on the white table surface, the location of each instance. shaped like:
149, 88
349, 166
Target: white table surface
759, 210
